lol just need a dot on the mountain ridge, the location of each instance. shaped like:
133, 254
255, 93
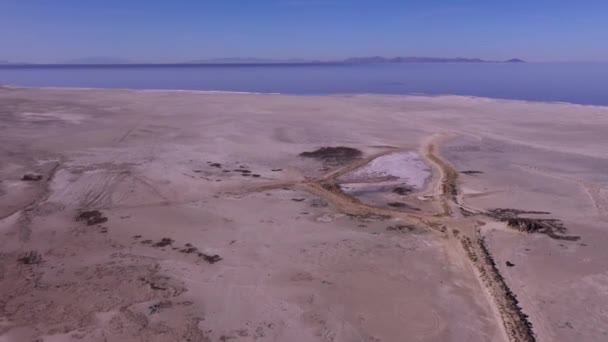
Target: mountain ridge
106, 60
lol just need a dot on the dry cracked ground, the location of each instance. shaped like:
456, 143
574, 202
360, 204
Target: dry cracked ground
191, 216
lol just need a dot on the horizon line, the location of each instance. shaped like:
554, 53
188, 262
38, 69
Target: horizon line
371, 59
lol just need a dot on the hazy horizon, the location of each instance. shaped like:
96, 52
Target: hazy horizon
119, 60
248, 59
161, 32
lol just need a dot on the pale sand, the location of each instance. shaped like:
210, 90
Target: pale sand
300, 260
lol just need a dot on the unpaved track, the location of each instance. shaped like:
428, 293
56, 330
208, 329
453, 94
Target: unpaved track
463, 233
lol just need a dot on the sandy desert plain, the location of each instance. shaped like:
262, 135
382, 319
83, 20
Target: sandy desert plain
193, 216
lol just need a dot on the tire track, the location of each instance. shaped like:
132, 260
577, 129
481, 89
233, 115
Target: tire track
449, 222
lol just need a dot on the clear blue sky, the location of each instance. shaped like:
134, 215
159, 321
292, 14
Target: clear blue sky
166, 31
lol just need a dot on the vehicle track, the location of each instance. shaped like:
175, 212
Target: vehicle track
461, 230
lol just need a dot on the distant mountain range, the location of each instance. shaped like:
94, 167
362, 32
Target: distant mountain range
250, 60
352, 60
99, 60
378, 59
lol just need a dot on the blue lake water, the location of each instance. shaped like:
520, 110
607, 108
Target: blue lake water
584, 83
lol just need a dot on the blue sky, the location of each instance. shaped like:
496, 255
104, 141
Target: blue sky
167, 31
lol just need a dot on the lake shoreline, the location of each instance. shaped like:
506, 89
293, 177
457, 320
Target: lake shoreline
580, 83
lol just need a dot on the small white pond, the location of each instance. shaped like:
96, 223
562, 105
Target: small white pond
387, 178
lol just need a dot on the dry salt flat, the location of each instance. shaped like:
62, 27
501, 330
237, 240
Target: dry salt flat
135, 215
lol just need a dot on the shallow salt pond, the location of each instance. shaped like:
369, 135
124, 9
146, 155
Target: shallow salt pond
387, 179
